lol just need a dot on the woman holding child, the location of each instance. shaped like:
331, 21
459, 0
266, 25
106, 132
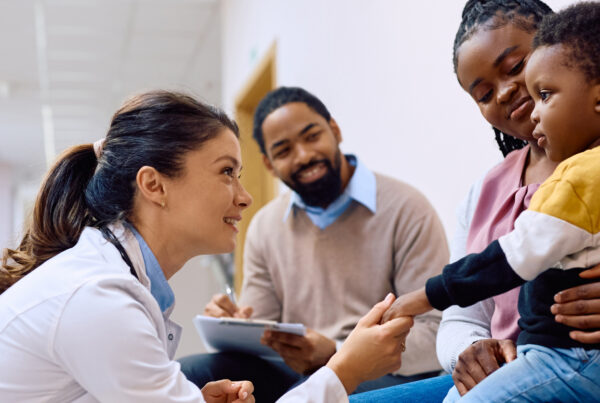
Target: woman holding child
491, 49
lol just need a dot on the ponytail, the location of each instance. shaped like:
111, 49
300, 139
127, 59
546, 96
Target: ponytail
59, 215
156, 128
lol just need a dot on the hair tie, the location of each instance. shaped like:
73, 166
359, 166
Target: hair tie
98, 146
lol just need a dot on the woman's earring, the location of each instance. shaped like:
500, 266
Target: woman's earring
162, 204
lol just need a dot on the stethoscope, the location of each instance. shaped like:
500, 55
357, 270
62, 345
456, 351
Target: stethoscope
110, 237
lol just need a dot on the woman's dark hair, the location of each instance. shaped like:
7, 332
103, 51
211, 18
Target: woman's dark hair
155, 129
494, 14
278, 98
577, 28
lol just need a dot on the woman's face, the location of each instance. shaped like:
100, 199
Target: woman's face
205, 202
491, 68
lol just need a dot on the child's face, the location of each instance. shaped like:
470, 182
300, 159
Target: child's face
567, 109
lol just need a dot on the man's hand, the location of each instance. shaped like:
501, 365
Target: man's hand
579, 307
410, 304
221, 306
303, 354
479, 360
225, 391
371, 350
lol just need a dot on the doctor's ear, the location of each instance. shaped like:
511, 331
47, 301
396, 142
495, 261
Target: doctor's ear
152, 186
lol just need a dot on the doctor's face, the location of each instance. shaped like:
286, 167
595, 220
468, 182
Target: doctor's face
206, 200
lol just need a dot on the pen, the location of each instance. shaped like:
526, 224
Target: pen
230, 294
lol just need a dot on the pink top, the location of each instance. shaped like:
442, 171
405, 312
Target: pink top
503, 197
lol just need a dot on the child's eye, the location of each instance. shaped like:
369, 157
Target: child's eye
544, 95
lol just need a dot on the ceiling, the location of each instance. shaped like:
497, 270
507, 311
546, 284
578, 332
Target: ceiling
67, 65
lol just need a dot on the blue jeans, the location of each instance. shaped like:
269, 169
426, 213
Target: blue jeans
431, 390
271, 379
540, 374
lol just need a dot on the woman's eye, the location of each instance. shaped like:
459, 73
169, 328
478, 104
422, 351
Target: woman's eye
517, 67
486, 97
228, 171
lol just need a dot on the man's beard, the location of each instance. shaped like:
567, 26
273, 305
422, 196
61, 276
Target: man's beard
324, 190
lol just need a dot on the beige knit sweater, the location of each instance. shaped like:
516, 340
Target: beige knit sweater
328, 279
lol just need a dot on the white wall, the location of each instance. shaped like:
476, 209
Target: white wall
384, 69
6, 206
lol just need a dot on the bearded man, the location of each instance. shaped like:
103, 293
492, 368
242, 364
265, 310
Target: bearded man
323, 253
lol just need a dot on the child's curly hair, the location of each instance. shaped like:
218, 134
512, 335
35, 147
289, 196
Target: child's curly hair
577, 28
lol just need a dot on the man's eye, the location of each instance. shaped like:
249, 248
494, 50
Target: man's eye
281, 153
313, 136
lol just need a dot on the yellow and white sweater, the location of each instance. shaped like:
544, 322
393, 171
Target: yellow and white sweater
553, 241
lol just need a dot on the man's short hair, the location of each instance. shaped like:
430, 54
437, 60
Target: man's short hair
278, 98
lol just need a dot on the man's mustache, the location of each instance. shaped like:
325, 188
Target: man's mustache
309, 165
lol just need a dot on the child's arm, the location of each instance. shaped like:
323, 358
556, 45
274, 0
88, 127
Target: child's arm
410, 304
469, 280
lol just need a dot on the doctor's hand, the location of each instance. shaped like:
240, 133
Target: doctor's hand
221, 305
371, 350
579, 307
303, 354
226, 391
479, 360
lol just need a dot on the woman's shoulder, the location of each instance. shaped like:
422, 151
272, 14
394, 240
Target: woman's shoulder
510, 168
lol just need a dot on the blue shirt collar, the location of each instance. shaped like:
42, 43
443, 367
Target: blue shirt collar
362, 188
159, 287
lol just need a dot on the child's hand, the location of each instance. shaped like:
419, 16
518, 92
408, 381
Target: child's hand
411, 304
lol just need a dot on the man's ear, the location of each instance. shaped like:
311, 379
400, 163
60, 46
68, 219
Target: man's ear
337, 132
268, 165
151, 186
596, 90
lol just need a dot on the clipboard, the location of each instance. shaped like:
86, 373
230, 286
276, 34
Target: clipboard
241, 335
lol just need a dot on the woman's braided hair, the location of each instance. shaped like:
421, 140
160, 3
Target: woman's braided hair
525, 14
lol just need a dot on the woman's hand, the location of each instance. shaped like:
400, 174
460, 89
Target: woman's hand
579, 307
225, 391
221, 306
371, 350
479, 360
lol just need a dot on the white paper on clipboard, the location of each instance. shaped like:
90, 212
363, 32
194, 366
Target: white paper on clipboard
242, 335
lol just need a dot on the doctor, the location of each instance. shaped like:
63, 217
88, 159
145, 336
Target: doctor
85, 303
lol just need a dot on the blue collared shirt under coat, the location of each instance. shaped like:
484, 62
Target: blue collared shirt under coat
362, 188
159, 287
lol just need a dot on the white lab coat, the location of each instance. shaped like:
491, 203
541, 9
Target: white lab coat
80, 328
